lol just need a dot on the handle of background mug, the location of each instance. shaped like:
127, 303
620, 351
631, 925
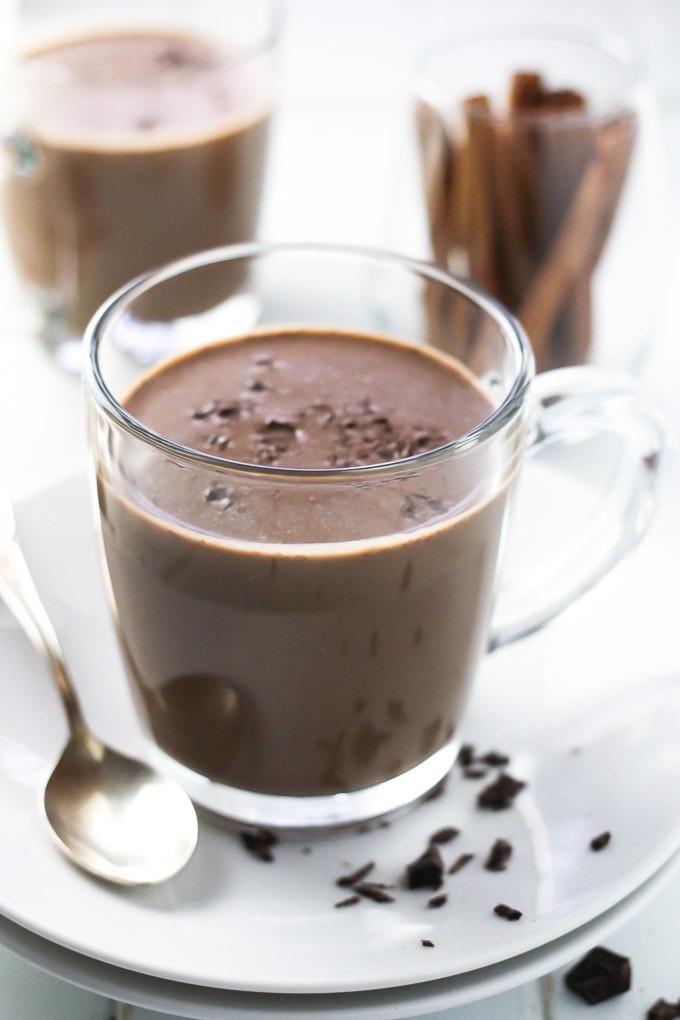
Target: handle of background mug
20, 152
575, 405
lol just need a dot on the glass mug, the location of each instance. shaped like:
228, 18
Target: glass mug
301, 640
544, 180
134, 132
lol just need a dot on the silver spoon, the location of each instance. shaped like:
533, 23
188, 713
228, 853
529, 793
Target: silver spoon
112, 815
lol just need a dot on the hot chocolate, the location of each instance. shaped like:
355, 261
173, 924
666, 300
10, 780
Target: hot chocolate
145, 147
283, 637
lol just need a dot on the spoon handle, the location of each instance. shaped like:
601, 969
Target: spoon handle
20, 595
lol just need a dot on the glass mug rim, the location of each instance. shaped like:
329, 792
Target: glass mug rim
430, 86
110, 312
263, 41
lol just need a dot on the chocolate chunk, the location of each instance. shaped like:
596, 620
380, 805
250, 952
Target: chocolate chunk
509, 913
460, 862
601, 841
427, 871
375, 891
204, 412
499, 855
437, 901
444, 835
495, 759
356, 876
475, 772
469, 759
278, 428
349, 901
428, 943
259, 842
663, 1010
500, 794
600, 975
466, 756
227, 410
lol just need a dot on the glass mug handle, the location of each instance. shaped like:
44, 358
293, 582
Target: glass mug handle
575, 405
21, 153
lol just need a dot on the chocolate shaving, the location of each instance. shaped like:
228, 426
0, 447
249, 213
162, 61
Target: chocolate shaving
444, 835
466, 756
500, 794
428, 943
259, 842
495, 759
375, 891
600, 975
509, 913
499, 855
460, 862
427, 871
601, 841
349, 901
663, 1010
356, 876
204, 412
437, 901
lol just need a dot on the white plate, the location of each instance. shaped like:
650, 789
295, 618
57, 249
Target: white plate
382, 1004
231, 921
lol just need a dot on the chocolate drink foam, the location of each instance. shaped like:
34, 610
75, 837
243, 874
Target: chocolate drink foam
281, 635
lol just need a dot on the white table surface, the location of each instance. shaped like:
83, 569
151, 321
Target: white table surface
336, 175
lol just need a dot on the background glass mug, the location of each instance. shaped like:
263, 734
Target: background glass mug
545, 181
301, 640
135, 132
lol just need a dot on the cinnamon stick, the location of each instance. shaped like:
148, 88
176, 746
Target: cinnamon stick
579, 242
532, 195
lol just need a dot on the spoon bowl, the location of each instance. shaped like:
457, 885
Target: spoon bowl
112, 815
116, 817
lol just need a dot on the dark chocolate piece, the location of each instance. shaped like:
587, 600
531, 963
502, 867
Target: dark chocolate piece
460, 862
375, 891
508, 913
428, 943
466, 756
475, 772
444, 835
427, 872
259, 842
600, 975
601, 841
495, 759
663, 1010
500, 794
349, 901
437, 901
356, 876
499, 855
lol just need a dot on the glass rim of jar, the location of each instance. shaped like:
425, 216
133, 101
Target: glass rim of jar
430, 87
508, 327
